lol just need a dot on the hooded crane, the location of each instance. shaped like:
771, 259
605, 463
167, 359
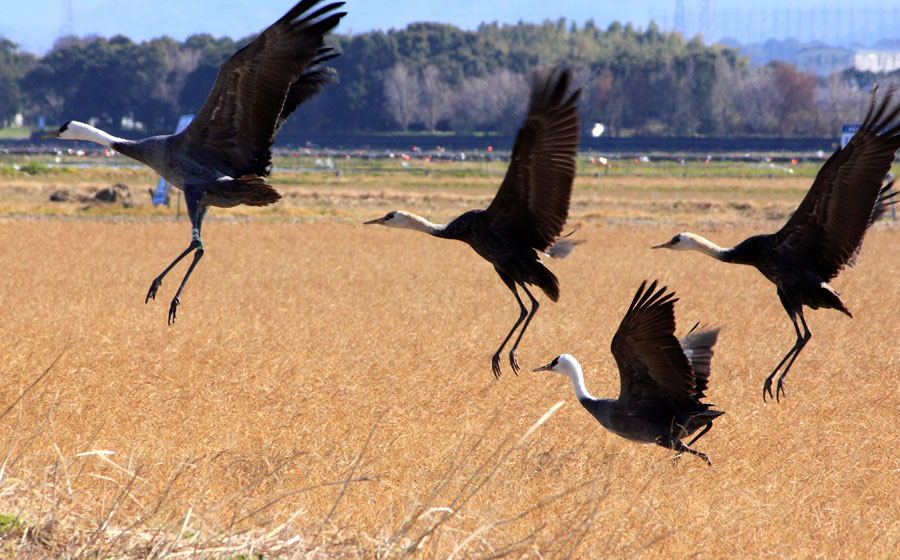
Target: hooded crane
662, 380
531, 206
222, 158
826, 231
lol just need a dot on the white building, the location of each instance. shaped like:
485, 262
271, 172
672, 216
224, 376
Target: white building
823, 61
877, 61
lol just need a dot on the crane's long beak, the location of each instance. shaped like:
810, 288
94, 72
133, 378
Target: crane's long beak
54, 134
665, 245
375, 221
544, 368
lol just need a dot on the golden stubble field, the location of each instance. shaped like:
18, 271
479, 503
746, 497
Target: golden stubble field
326, 392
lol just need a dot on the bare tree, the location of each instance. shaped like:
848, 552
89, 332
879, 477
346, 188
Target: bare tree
722, 104
753, 95
434, 96
604, 100
496, 100
838, 102
401, 95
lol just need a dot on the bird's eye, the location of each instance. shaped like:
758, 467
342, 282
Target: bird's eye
389, 216
554, 362
675, 240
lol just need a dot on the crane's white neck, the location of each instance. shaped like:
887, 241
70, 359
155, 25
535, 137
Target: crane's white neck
567, 365
694, 242
74, 130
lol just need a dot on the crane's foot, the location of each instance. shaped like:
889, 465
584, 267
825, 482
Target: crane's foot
495, 365
514, 361
172, 309
681, 448
767, 388
151, 293
779, 388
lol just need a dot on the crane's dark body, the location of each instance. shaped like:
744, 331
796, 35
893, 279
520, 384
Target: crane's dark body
515, 262
826, 232
662, 379
531, 206
794, 275
222, 158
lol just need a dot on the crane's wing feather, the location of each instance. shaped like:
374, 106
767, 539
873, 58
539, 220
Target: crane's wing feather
846, 197
533, 200
698, 347
654, 371
237, 123
309, 84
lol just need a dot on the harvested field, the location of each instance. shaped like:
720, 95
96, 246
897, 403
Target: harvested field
326, 390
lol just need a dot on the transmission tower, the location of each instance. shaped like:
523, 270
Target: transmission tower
706, 21
66, 27
679, 17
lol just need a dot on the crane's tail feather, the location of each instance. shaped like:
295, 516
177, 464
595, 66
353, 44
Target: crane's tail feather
563, 247
251, 190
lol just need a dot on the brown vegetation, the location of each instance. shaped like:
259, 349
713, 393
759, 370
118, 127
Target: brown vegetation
327, 392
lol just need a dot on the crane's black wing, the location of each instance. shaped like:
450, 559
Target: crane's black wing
309, 84
532, 203
829, 225
656, 377
237, 123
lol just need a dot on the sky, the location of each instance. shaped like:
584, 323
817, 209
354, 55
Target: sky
35, 24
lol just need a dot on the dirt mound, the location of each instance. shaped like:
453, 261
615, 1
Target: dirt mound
115, 194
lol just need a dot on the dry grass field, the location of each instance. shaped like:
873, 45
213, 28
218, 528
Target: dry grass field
326, 389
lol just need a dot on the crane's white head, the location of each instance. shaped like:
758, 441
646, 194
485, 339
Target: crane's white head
74, 130
681, 242
565, 364
406, 220
397, 219
686, 241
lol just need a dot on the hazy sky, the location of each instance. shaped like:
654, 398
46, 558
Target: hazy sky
34, 24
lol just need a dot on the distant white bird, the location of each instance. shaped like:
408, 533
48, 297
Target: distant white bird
222, 158
662, 380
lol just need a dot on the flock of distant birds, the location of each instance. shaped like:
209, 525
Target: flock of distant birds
222, 158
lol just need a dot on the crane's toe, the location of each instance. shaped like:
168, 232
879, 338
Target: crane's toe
779, 389
495, 365
767, 388
172, 309
151, 293
514, 361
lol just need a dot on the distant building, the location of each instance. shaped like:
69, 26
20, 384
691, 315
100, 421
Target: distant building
824, 60
877, 61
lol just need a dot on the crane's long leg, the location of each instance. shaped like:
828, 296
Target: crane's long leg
157, 282
802, 339
523, 312
196, 211
678, 446
512, 353
701, 434
779, 389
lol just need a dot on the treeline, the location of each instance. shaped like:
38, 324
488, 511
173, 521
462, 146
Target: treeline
438, 77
